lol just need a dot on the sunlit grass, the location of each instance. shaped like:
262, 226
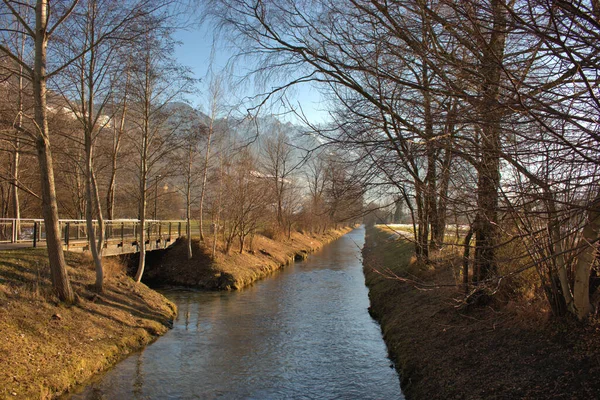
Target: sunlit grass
48, 346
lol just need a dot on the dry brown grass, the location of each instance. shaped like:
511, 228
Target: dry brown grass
269, 255
48, 347
234, 270
505, 350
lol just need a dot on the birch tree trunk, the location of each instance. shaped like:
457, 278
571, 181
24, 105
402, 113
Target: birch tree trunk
16, 210
17, 148
188, 201
204, 176
142, 209
142, 182
217, 220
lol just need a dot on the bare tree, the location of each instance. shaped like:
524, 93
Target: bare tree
315, 177
215, 93
121, 103
40, 31
245, 198
188, 158
157, 82
98, 31
278, 164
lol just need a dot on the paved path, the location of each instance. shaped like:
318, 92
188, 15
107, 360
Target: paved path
111, 250
122, 234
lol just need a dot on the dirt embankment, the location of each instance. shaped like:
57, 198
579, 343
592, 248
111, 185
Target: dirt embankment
505, 350
46, 348
233, 271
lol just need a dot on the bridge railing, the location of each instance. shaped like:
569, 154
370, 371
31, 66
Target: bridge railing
21, 230
74, 233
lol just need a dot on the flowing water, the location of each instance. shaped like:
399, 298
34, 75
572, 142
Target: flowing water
303, 333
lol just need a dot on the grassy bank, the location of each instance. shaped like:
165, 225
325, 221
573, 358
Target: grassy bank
46, 347
234, 270
443, 350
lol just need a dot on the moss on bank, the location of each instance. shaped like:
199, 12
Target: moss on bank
46, 348
233, 271
505, 350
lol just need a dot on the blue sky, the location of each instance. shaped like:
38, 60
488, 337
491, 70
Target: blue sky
195, 52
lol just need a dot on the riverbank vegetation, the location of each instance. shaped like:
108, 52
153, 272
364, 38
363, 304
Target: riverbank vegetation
235, 270
47, 346
105, 101
441, 344
458, 112
473, 113
92, 89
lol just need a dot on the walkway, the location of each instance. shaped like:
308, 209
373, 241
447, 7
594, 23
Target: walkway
121, 236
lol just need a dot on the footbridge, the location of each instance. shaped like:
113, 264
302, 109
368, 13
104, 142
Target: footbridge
121, 235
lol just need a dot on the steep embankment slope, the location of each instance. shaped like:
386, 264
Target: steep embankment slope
233, 271
501, 351
47, 347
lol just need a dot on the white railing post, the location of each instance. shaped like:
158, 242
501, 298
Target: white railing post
13, 234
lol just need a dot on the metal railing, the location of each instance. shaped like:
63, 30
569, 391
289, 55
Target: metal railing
121, 232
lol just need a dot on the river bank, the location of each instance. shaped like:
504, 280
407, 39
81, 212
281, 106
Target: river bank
302, 333
235, 270
502, 351
47, 347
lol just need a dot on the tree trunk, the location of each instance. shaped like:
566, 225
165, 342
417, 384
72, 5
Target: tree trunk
431, 199
110, 191
430, 185
188, 233
422, 244
486, 234
217, 221
117, 135
80, 187
412, 218
91, 190
58, 268
17, 150
556, 245
101, 227
228, 243
16, 210
585, 260
142, 243
204, 176
142, 227
466, 255
215, 237
279, 182
142, 189
440, 231
188, 212
89, 219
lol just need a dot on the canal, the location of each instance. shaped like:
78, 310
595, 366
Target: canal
303, 333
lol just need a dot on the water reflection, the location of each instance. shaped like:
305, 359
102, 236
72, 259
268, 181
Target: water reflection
304, 333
